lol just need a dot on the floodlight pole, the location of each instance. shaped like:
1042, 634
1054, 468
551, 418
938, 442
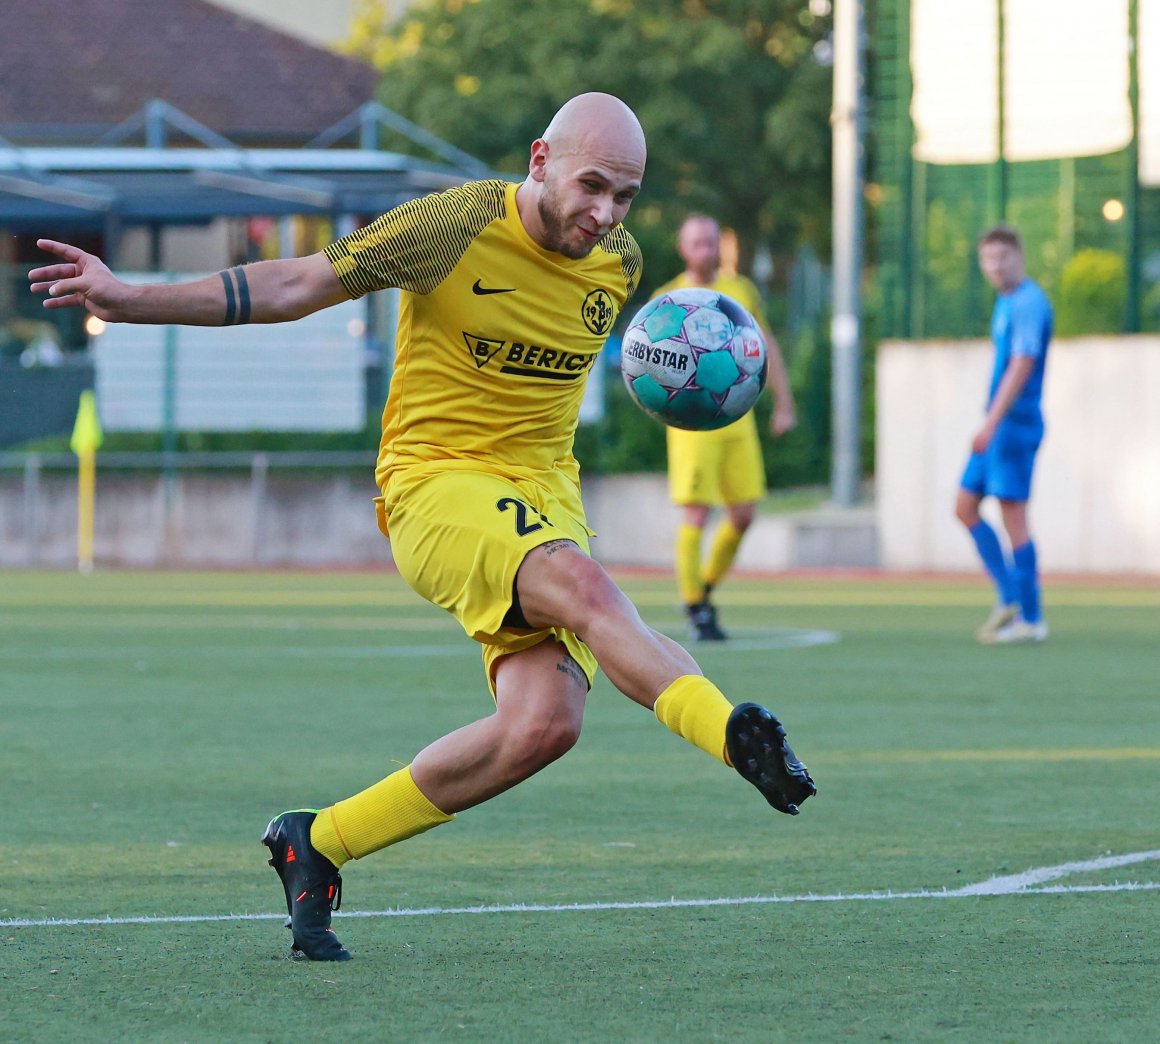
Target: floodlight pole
845, 340
1132, 184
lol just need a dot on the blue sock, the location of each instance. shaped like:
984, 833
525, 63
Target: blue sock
1026, 573
991, 552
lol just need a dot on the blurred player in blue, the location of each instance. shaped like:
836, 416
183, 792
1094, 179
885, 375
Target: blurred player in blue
1003, 449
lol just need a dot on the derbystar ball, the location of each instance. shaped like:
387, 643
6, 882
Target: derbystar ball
694, 359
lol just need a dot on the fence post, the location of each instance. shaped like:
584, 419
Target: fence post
845, 333
31, 507
259, 470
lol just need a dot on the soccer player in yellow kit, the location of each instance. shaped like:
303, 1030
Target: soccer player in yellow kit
721, 468
509, 292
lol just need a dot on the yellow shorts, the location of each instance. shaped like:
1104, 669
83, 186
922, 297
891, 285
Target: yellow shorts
459, 536
716, 467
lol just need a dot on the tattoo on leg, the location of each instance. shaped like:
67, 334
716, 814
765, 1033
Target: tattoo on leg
571, 668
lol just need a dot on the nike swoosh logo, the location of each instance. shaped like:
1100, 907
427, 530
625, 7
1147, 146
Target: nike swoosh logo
481, 290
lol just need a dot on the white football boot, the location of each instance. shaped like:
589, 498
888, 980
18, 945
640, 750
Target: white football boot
1020, 632
1000, 617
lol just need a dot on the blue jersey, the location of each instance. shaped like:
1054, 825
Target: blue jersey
1021, 324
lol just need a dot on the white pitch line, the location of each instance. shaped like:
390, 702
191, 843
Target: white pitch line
1015, 884
1020, 882
753, 640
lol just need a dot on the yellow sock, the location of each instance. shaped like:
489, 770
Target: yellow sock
393, 810
723, 550
695, 709
688, 563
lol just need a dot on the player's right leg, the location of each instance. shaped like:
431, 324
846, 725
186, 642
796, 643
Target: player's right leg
695, 461
560, 586
1010, 462
741, 484
694, 596
1028, 625
990, 553
723, 552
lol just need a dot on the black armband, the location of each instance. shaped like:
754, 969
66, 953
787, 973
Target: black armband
237, 297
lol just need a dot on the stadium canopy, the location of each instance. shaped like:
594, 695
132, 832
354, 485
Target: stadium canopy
109, 185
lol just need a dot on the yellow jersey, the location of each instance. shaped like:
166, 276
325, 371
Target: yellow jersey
746, 294
742, 290
496, 334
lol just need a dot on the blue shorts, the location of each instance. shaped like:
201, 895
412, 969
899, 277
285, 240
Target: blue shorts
1004, 470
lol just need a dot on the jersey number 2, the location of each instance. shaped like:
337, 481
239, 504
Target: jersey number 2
523, 526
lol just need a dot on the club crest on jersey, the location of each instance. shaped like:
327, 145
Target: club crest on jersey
597, 311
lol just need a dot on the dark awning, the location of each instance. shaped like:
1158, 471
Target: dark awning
88, 187
113, 184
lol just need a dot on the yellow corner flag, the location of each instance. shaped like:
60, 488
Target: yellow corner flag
86, 440
87, 435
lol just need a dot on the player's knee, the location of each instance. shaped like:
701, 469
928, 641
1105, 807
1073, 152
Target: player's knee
567, 589
741, 516
696, 515
589, 592
538, 741
559, 736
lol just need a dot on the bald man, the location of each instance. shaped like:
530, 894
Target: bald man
722, 468
509, 292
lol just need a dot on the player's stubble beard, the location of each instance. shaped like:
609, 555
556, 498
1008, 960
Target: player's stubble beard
556, 225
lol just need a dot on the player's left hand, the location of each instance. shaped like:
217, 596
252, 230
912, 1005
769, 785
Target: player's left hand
783, 419
982, 439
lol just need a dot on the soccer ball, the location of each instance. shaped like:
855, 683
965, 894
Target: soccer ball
694, 359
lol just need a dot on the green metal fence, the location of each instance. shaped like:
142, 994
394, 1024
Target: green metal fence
925, 218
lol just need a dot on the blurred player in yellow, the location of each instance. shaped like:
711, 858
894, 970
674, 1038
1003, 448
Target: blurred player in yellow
721, 468
509, 293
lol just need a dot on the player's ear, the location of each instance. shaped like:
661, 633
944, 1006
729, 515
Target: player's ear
538, 163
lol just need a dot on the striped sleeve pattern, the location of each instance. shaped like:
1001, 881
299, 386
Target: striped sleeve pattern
620, 242
416, 245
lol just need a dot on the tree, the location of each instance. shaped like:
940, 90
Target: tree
731, 95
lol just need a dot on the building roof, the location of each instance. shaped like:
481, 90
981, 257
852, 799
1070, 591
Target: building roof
70, 70
85, 188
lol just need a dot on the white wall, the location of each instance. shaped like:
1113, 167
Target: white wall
205, 520
1095, 504
303, 376
196, 248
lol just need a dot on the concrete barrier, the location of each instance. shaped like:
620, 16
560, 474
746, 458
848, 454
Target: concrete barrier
194, 520
269, 517
1096, 501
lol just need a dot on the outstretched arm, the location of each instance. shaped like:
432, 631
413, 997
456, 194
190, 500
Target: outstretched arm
264, 292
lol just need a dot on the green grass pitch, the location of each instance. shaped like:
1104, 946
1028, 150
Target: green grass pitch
151, 723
